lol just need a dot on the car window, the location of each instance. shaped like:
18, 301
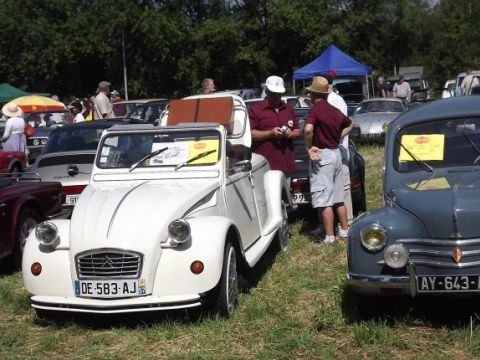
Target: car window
72, 138
440, 143
46, 119
124, 150
380, 106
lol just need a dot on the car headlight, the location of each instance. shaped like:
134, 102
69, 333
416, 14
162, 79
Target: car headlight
396, 256
43, 141
36, 142
373, 237
46, 233
179, 231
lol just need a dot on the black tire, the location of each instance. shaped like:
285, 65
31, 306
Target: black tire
281, 238
225, 296
27, 219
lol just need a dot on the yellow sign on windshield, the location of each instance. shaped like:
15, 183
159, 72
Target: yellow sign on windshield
196, 148
422, 147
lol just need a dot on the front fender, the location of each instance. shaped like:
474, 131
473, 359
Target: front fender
207, 244
55, 278
398, 223
276, 190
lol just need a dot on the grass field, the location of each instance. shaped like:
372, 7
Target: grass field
298, 308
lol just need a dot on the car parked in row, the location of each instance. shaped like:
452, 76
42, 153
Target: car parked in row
12, 161
426, 237
69, 155
146, 111
374, 115
171, 216
23, 204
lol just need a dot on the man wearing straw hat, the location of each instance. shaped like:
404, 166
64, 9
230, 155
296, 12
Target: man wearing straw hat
324, 128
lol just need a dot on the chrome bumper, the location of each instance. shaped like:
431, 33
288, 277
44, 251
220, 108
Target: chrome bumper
380, 284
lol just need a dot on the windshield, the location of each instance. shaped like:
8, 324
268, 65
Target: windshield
147, 113
173, 147
73, 138
380, 106
439, 144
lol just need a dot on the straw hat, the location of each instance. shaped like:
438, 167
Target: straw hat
12, 110
319, 86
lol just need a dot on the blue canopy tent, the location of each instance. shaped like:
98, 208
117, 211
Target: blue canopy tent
333, 59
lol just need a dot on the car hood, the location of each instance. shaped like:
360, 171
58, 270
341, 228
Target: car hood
132, 215
448, 204
368, 120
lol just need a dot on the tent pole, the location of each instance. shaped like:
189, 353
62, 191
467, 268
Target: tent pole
368, 89
293, 86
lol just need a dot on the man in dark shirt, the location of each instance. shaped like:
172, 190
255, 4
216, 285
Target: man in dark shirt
324, 128
274, 126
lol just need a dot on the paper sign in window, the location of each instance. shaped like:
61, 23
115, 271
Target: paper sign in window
195, 148
176, 153
423, 147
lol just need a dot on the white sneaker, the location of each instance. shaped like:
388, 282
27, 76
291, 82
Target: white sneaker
342, 233
329, 239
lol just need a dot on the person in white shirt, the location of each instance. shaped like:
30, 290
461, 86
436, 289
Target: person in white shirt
76, 110
402, 90
14, 136
102, 106
468, 83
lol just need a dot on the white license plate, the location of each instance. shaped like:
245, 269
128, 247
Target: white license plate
109, 288
71, 199
300, 198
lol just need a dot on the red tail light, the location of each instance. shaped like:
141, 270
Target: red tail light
74, 189
300, 186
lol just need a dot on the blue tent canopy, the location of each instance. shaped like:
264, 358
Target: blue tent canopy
332, 59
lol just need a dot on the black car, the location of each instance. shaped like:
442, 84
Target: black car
300, 183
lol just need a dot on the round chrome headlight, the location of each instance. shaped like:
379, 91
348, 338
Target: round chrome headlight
36, 142
46, 233
179, 231
373, 237
43, 141
396, 256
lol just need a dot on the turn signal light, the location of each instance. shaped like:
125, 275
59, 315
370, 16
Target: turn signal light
196, 267
36, 268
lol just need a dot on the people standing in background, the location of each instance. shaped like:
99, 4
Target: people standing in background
14, 138
324, 128
119, 110
402, 90
274, 126
87, 108
468, 83
102, 107
76, 109
208, 86
382, 88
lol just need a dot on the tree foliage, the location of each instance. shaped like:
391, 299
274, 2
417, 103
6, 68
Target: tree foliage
67, 46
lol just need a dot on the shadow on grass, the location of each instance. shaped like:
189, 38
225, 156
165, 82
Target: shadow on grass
307, 216
437, 311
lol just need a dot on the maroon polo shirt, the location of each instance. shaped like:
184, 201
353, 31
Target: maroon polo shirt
279, 152
328, 123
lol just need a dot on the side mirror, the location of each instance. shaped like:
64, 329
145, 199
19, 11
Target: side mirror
355, 133
243, 165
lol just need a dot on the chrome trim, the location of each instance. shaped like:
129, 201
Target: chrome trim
381, 281
440, 242
439, 264
98, 265
443, 253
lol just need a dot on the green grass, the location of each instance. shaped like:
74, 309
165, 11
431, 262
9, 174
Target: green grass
300, 308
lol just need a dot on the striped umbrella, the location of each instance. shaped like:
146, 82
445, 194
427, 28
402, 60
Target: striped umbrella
34, 103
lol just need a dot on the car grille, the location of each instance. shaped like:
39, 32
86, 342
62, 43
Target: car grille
444, 255
108, 263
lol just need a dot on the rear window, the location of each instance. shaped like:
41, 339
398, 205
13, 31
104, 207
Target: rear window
74, 139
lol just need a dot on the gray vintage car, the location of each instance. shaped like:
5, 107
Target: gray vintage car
426, 237
374, 115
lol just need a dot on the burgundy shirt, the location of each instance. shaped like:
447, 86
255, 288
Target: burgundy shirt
328, 124
279, 152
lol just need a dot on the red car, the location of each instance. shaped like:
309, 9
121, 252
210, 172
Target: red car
12, 161
22, 205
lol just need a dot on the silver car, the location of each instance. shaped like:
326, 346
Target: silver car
69, 155
374, 115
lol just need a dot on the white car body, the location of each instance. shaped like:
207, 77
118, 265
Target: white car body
126, 214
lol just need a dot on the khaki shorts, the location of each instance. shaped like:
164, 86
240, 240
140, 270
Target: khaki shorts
327, 180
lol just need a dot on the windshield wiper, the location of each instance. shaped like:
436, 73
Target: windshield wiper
149, 156
417, 161
196, 157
